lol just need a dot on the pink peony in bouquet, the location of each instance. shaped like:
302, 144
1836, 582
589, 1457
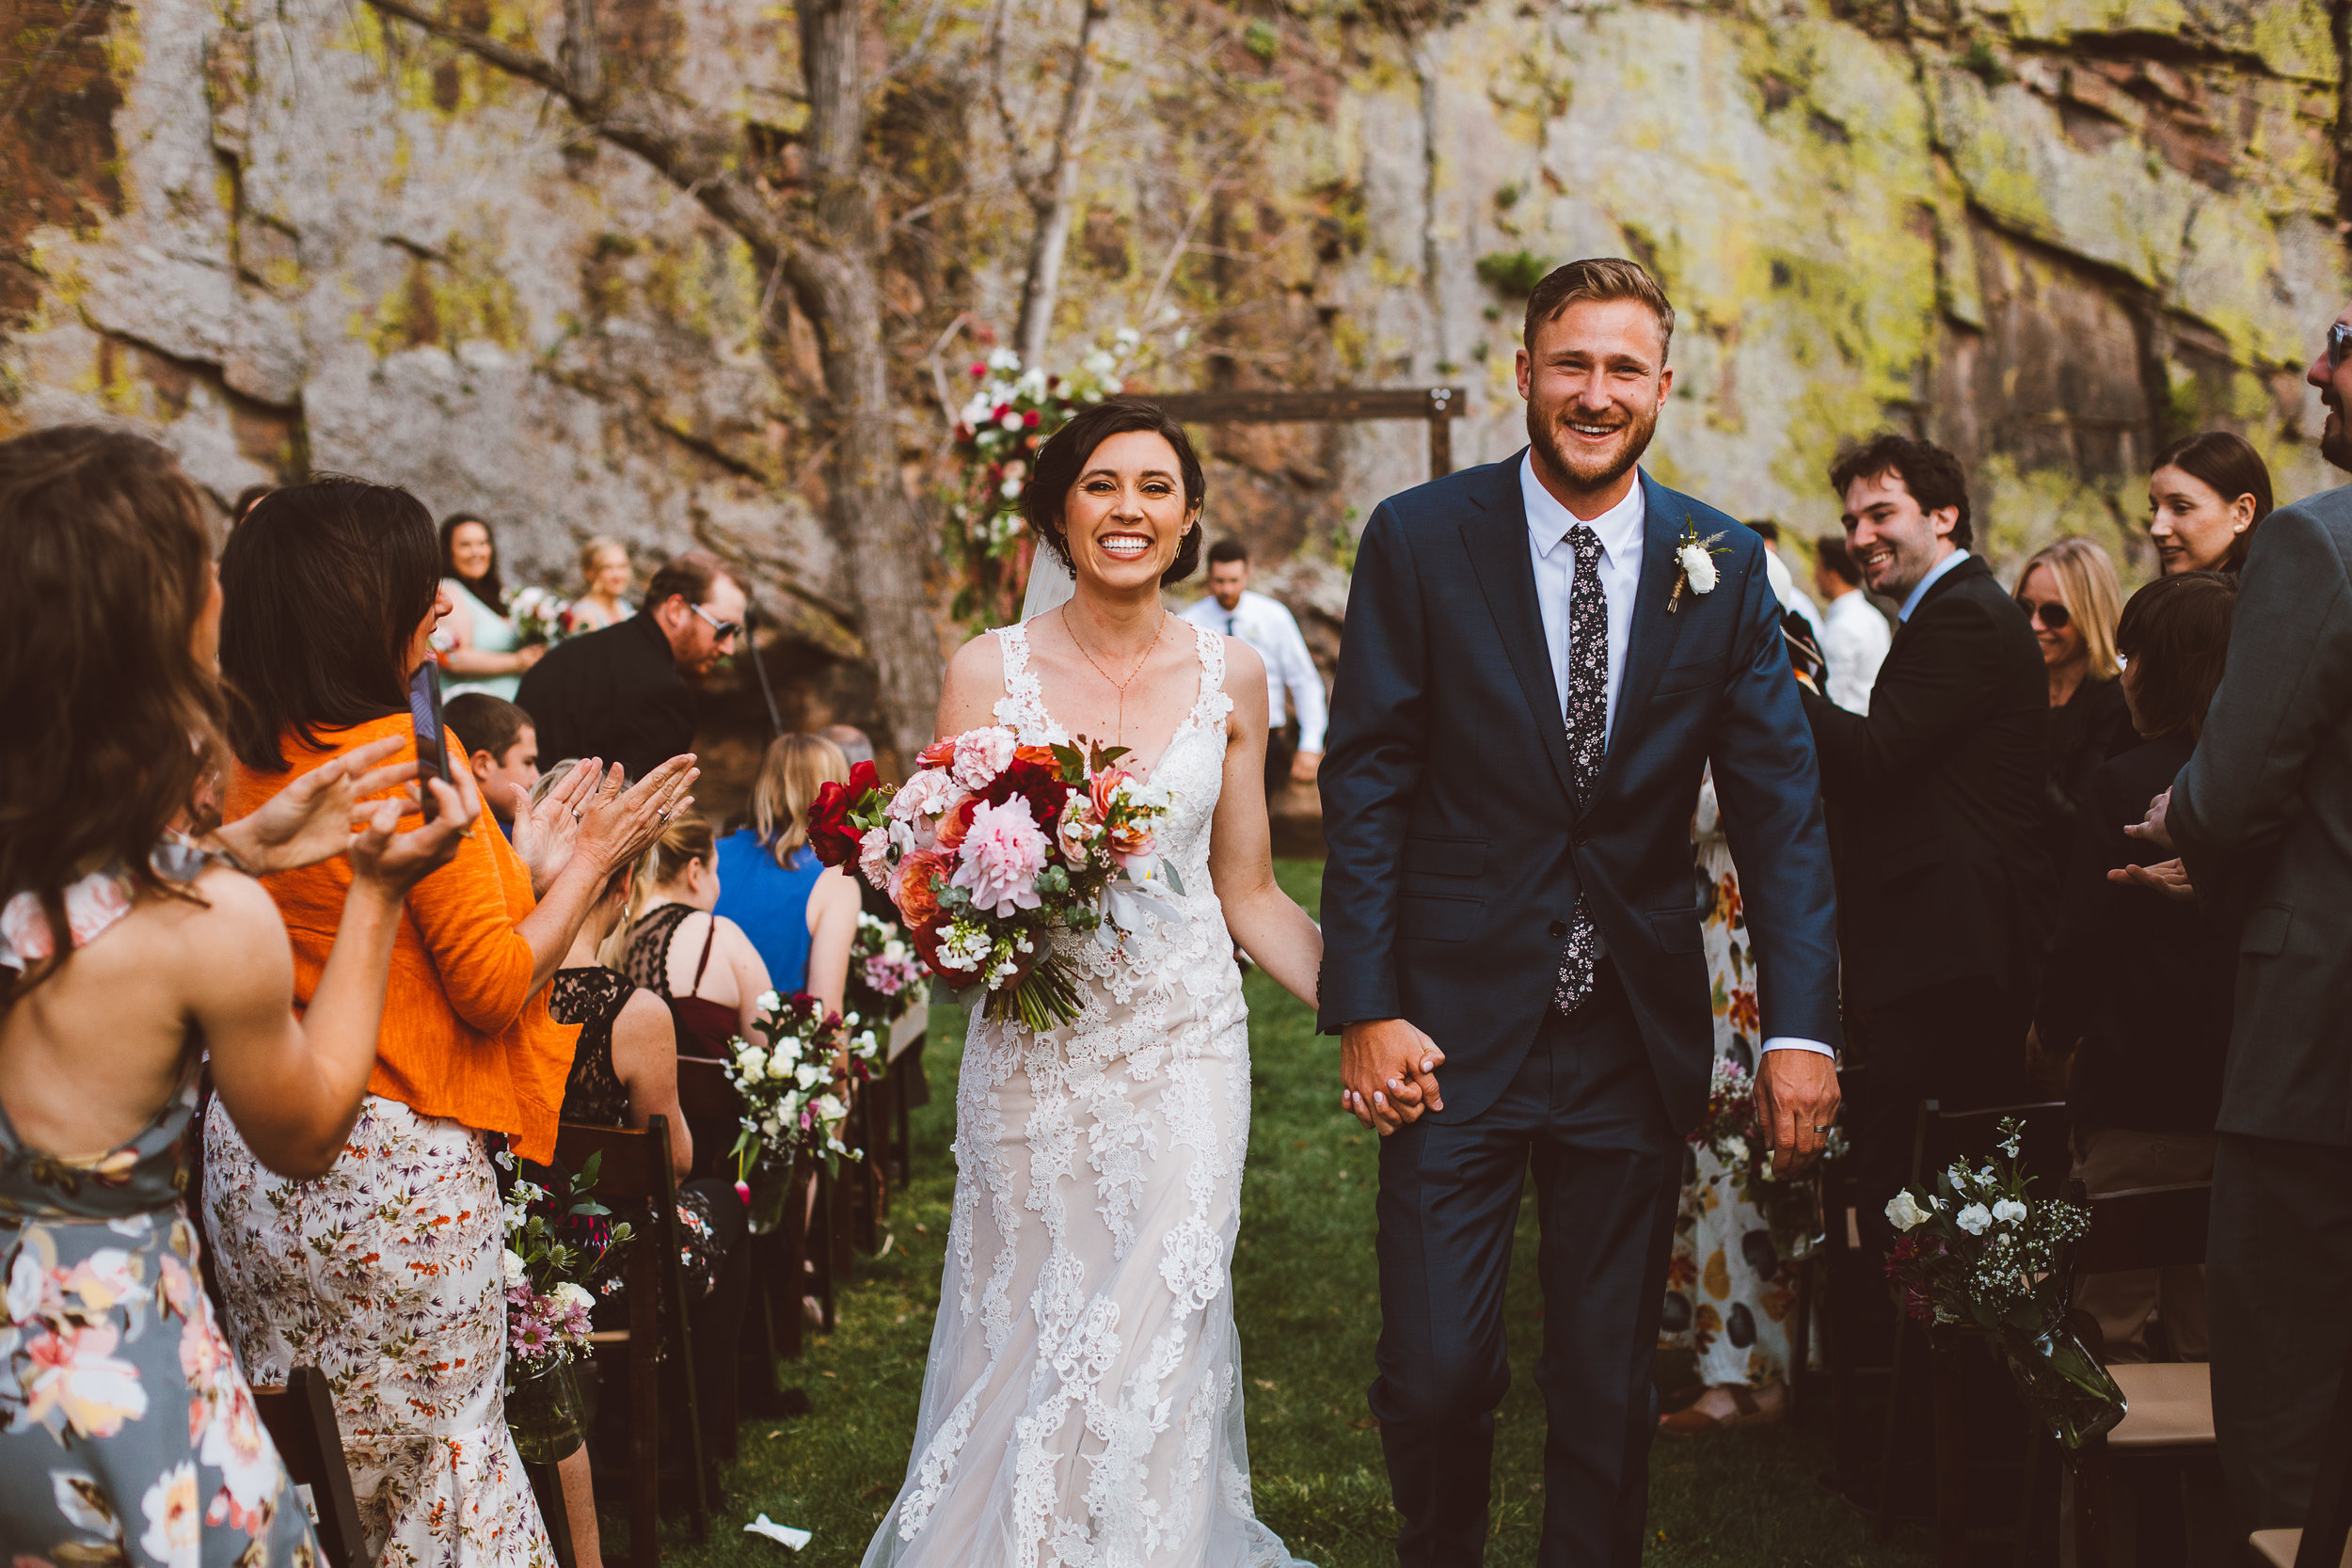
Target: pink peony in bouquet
991, 848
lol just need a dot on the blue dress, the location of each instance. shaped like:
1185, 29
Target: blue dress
770, 903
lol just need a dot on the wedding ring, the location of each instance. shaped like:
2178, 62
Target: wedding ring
1820, 1130
575, 814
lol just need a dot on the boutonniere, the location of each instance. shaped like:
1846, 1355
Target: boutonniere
1694, 563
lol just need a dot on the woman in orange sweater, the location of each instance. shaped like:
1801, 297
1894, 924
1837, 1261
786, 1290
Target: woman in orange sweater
386, 1272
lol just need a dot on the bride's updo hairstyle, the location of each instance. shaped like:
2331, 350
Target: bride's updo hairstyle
1064, 457
114, 720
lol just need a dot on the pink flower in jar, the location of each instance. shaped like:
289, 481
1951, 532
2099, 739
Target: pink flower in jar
1003, 851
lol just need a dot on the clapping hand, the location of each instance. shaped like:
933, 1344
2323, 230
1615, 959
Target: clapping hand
617, 825
310, 819
394, 862
2154, 829
544, 835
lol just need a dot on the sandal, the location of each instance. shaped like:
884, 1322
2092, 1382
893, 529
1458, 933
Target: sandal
1746, 1411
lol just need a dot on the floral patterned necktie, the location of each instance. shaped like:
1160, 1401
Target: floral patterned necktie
1588, 743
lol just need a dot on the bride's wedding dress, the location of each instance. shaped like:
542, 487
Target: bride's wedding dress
1082, 1405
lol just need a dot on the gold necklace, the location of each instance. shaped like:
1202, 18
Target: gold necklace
1119, 686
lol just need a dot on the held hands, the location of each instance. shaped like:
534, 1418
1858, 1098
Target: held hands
617, 825
389, 863
1796, 1103
310, 819
1388, 1074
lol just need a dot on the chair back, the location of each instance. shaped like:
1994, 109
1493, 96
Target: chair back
301, 1421
636, 1164
714, 1114
2147, 1227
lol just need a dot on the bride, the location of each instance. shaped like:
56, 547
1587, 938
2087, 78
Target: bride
1082, 1403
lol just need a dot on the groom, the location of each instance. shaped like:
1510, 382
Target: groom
1530, 684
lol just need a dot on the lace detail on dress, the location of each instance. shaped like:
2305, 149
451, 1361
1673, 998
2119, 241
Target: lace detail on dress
1082, 1405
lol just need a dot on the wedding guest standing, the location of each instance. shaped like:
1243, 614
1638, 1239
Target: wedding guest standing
1233, 608
627, 693
1854, 636
1934, 802
1728, 1294
605, 569
2138, 987
700, 963
2261, 817
2207, 496
332, 595
128, 950
2069, 592
501, 752
486, 652
800, 915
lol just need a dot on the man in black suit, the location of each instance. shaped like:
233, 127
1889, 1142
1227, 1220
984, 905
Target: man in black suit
1934, 797
1541, 656
2261, 817
624, 694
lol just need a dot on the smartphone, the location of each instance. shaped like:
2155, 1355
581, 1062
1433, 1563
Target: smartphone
424, 716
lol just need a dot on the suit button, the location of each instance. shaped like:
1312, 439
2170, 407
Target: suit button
1580, 837
1558, 929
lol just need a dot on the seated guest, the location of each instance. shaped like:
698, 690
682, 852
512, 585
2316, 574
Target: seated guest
332, 594
501, 750
604, 567
2138, 988
699, 962
484, 650
1854, 636
2207, 496
625, 694
1933, 800
129, 949
2069, 592
625, 1073
802, 916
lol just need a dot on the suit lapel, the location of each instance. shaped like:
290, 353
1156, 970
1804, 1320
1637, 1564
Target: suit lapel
1663, 521
1495, 541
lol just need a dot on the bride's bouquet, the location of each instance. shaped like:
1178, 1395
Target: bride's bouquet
995, 846
539, 616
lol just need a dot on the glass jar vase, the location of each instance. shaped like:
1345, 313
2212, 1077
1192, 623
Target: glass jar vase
546, 1413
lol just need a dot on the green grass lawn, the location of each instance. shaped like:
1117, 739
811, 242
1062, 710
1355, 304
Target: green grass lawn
1304, 1287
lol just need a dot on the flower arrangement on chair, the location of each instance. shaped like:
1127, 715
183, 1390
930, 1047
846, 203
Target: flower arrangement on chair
1979, 1249
792, 1095
547, 1311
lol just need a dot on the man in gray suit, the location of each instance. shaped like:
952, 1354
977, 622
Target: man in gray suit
2261, 817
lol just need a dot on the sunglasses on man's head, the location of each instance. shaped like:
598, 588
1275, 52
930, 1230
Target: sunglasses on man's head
2052, 614
721, 629
2339, 346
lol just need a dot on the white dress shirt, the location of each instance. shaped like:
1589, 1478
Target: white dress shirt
1267, 626
1855, 639
1620, 533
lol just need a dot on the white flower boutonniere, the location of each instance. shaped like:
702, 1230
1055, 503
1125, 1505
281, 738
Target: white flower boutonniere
1694, 561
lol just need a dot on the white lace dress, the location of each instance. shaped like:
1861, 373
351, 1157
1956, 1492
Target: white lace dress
1082, 1405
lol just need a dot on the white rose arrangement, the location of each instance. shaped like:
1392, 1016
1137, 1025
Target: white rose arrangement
787, 1086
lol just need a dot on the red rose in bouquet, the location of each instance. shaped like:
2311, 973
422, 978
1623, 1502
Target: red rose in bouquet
831, 833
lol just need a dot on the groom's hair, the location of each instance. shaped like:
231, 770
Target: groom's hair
1600, 278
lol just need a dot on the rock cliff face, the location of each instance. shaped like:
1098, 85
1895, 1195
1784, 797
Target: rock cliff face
2050, 233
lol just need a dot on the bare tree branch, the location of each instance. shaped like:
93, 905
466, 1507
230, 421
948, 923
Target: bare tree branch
1050, 239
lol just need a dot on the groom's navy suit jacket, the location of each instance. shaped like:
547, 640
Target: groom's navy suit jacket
1457, 846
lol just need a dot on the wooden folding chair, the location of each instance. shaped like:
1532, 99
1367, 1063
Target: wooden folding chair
2326, 1524
1938, 1138
636, 1170
301, 1421
2170, 1403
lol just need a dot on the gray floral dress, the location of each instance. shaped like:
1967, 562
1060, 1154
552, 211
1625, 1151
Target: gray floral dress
128, 1436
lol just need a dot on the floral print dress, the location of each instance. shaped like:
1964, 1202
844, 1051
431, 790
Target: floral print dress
1729, 1298
385, 1274
128, 1436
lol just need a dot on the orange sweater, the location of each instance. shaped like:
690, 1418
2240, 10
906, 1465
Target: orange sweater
463, 1036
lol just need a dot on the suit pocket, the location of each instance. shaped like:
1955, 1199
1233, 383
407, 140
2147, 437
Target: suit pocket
2264, 933
1677, 930
1445, 857
1690, 677
1423, 918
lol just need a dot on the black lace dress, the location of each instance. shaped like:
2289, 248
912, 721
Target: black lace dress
709, 1215
705, 1028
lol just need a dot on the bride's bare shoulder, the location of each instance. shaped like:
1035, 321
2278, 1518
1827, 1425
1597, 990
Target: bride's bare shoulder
981, 659
976, 678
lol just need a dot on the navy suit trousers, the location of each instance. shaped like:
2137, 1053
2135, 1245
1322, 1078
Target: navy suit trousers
1585, 1113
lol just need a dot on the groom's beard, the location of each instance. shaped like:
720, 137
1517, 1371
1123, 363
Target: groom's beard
1587, 468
